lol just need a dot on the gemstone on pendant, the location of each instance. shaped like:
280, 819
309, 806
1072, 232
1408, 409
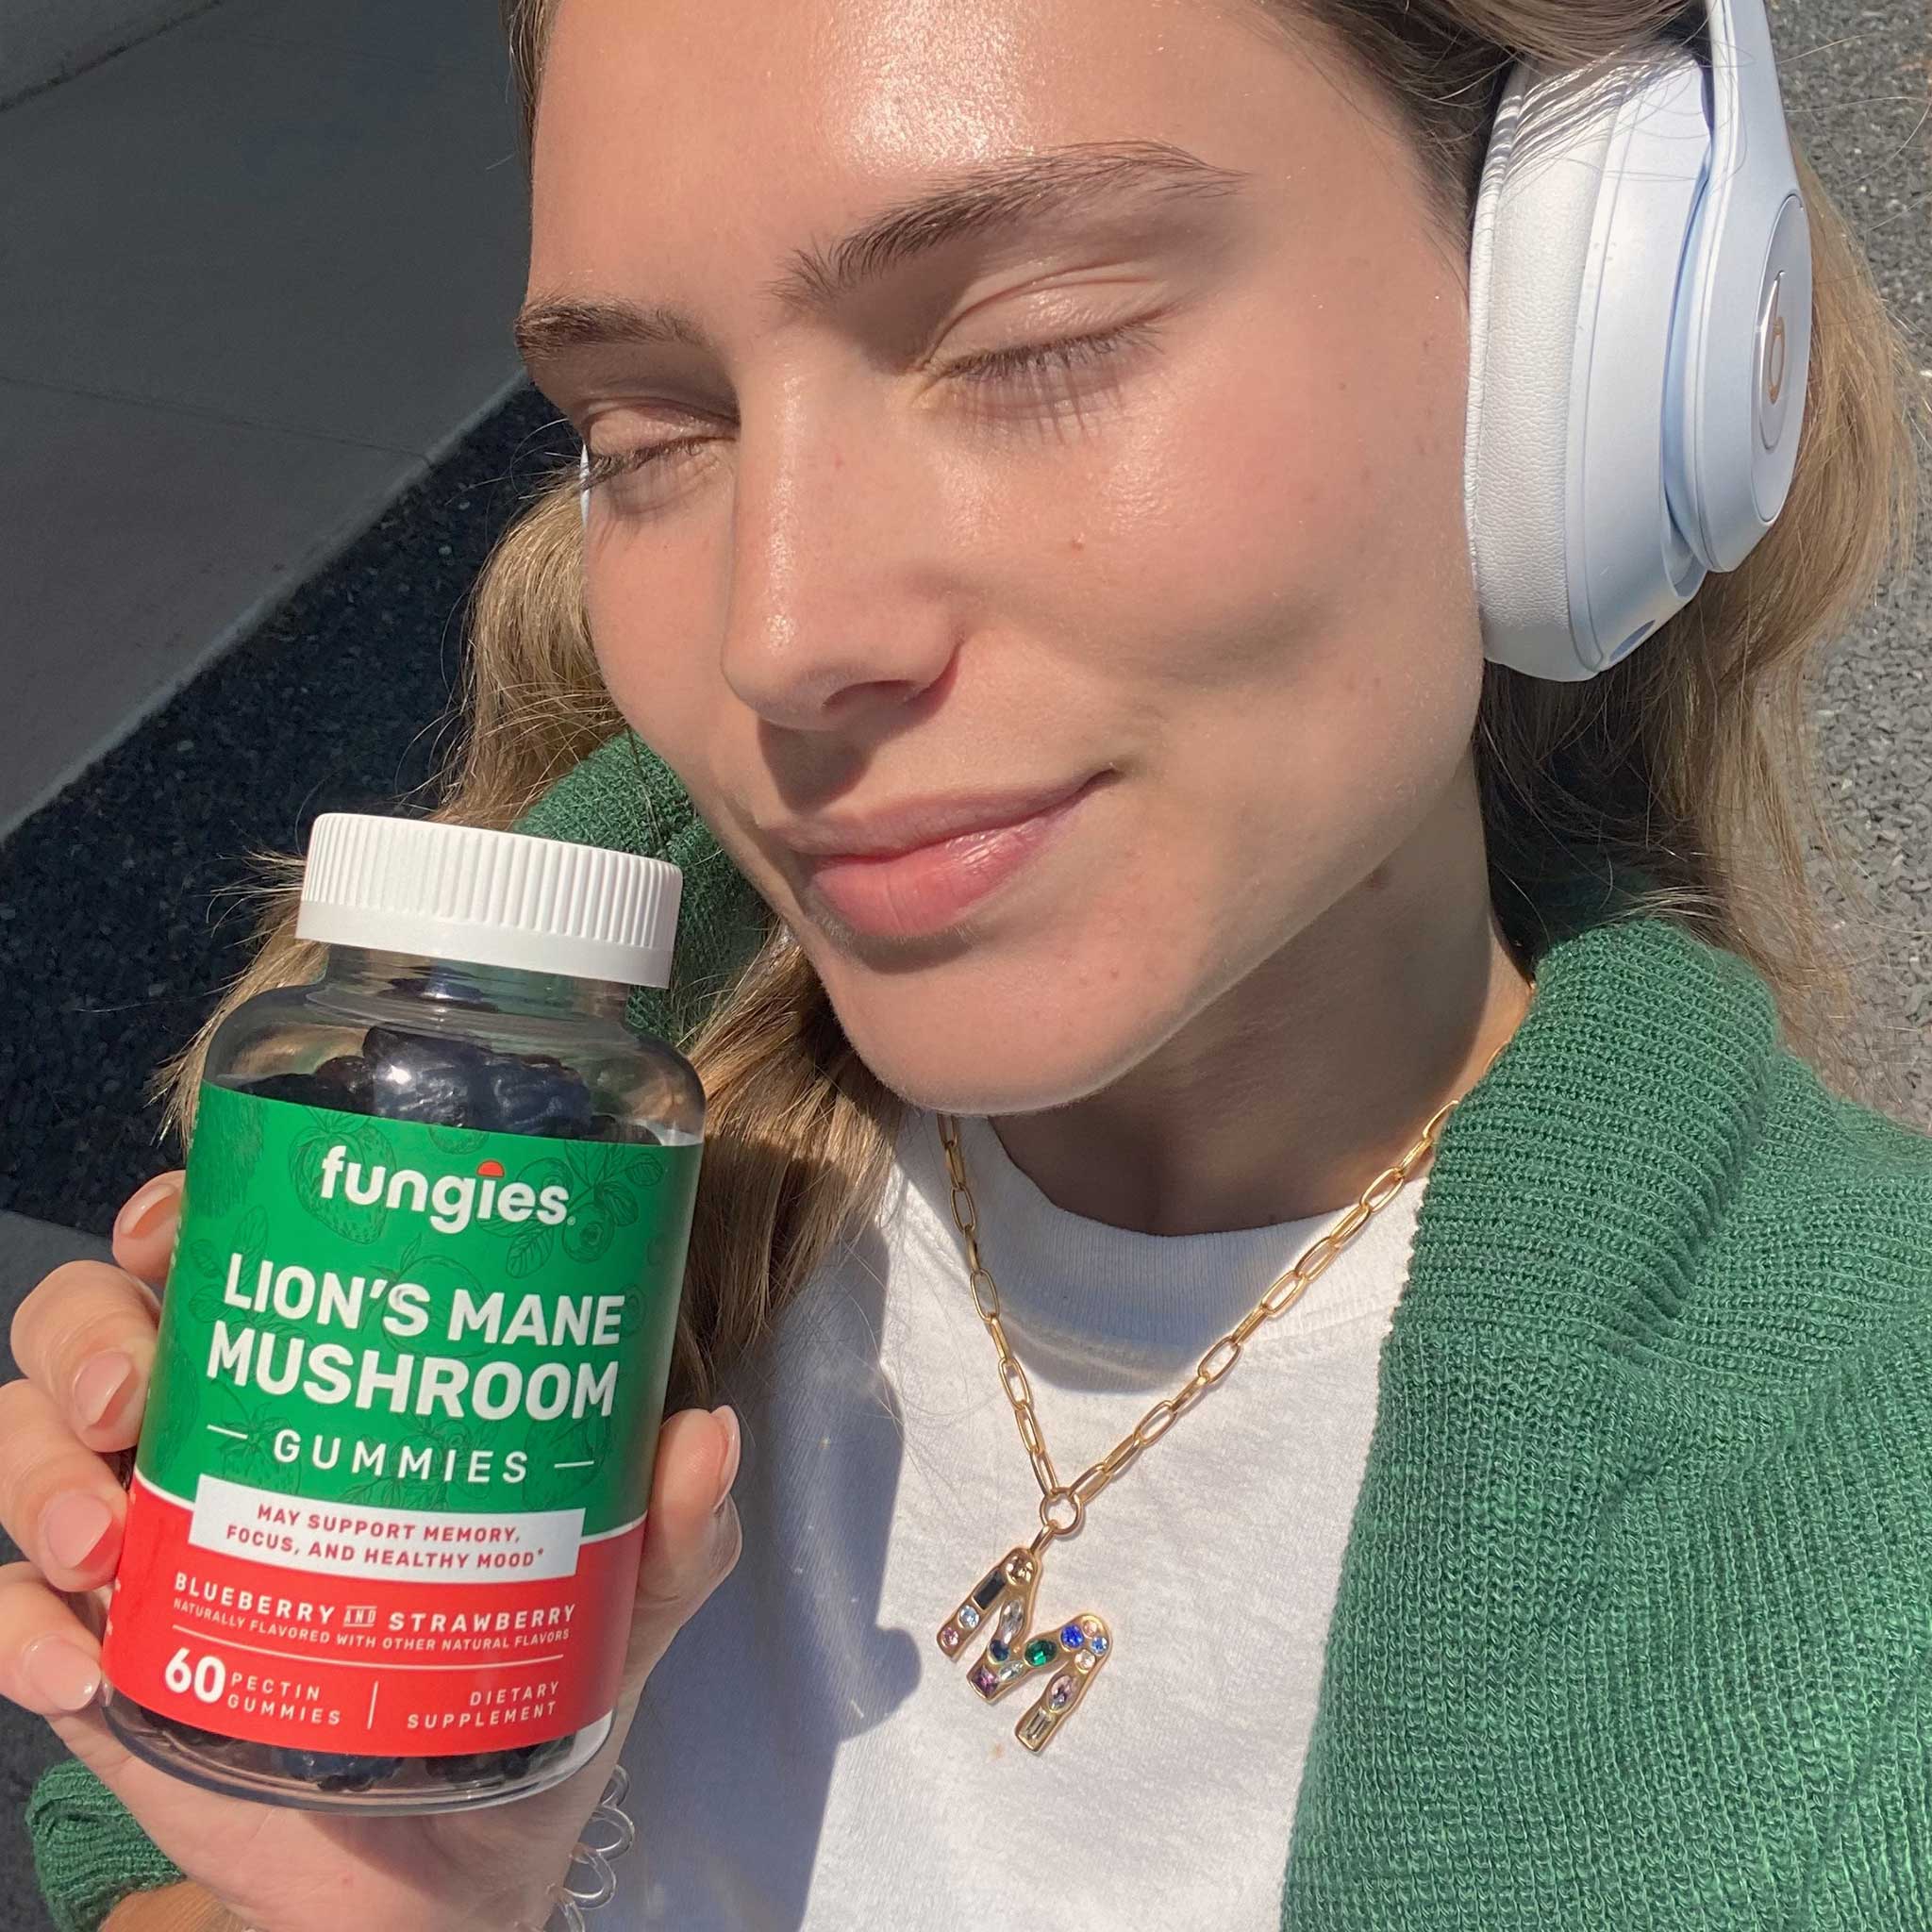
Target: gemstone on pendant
997, 1651
1040, 1650
985, 1679
967, 1617
1012, 1615
949, 1637
1073, 1637
1098, 1641
1060, 1689
1083, 1661
990, 1587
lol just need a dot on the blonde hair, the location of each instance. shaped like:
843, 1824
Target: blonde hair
1684, 773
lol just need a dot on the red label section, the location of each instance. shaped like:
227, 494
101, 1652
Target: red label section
361, 1663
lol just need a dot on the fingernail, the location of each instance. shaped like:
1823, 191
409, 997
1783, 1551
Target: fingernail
73, 1525
144, 1213
728, 1416
62, 1673
100, 1385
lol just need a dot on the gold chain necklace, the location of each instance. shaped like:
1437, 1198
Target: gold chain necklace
1075, 1650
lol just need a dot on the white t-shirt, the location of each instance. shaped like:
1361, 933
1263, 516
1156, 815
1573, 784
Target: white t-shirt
806, 1755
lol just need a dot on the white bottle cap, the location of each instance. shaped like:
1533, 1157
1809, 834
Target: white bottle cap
497, 898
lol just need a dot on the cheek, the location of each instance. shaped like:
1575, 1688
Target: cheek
643, 617
1330, 640
1252, 518
1337, 497
1288, 619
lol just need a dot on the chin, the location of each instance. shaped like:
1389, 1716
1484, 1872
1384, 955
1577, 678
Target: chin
994, 1024
1006, 1066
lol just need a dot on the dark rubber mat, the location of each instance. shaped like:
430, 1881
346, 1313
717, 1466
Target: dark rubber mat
119, 921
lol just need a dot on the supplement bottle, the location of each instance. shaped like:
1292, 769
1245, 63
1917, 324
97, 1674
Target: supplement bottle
388, 1502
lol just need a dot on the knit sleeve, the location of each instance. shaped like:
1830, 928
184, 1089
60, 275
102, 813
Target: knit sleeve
1873, 1869
89, 1852
624, 796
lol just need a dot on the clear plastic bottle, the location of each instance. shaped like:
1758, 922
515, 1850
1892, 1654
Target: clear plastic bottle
387, 1506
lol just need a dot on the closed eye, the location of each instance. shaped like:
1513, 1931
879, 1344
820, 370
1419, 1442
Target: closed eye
995, 365
1029, 363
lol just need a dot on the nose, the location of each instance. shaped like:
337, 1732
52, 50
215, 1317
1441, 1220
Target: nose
837, 607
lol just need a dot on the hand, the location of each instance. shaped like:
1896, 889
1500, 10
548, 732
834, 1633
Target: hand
278, 1868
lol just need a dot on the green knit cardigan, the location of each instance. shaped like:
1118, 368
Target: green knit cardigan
1634, 1622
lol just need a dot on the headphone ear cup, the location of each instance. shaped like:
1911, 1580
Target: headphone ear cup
1584, 219
1534, 218
584, 487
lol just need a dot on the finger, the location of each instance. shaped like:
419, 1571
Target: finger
85, 1338
145, 1228
49, 1661
691, 1536
58, 1501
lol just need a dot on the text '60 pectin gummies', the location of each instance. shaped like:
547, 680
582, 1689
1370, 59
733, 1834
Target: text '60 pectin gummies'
385, 1510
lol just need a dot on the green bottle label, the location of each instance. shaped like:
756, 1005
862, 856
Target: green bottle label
462, 1337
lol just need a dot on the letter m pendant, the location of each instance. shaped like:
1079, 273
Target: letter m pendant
1071, 1653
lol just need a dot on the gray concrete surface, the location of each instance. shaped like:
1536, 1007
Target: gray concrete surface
48, 41
1857, 83
29, 1250
260, 276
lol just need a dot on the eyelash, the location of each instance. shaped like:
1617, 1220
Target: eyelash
1066, 354
993, 365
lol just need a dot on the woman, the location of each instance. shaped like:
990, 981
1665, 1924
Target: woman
1557, 1556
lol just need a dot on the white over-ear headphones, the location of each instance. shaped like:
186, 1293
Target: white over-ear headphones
1640, 343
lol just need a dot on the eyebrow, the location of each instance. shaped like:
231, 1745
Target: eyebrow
1001, 196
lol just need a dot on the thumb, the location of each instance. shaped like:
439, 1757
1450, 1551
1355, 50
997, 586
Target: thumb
692, 1533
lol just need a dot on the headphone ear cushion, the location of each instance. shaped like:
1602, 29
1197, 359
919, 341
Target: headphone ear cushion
1535, 213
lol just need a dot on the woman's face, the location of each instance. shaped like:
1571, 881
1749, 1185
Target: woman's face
1218, 568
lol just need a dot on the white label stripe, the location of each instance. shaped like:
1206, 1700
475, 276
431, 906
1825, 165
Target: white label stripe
185, 1505
380, 1541
623, 1528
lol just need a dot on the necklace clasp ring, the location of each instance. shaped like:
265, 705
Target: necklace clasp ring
1062, 1494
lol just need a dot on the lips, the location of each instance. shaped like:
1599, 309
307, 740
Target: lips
912, 894
905, 827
